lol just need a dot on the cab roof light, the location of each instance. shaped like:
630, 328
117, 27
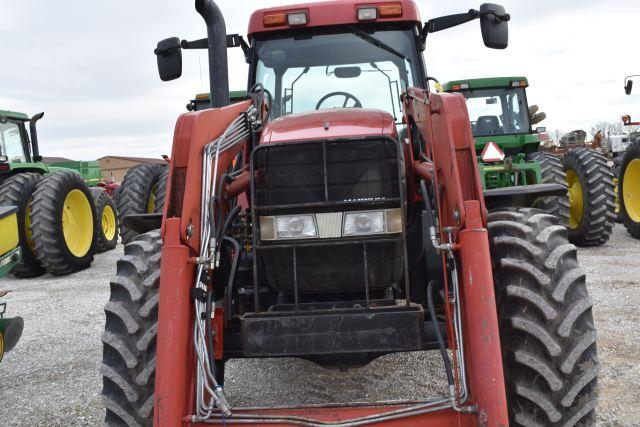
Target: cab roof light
279, 19
367, 13
460, 86
298, 18
519, 83
202, 96
274, 19
393, 10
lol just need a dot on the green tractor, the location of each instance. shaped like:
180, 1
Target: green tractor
509, 156
61, 220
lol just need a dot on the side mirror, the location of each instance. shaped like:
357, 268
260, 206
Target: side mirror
628, 87
494, 26
169, 56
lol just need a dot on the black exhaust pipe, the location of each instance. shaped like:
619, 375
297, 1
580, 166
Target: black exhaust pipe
218, 65
35, 151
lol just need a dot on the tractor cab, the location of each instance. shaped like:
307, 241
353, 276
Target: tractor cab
19, 147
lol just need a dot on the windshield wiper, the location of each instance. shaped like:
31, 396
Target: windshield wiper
374, 41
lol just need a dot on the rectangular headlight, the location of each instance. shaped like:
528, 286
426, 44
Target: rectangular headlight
296, 227
361, 223
299, 18
367, 13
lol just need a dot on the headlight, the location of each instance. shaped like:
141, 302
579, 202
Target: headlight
331, 225
296, 227
359, 223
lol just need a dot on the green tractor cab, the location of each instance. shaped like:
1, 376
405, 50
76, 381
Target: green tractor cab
576, 186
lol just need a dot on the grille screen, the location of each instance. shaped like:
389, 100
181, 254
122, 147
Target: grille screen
319, 172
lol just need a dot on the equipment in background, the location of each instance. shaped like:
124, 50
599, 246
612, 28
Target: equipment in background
57, 222
500, 115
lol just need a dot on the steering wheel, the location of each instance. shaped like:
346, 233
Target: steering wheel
347, 97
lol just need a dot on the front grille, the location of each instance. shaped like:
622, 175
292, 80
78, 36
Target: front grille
326, 171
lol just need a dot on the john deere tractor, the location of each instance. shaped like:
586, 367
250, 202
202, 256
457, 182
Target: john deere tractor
61, 221
508, 156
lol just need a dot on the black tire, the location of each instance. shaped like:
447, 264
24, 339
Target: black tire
552, 172
17, 190
546, 325
161, 190
104, 207
129, 338
134, 194
595, 178
629, 189
51, 247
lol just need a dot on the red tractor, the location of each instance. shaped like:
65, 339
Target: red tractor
336, 215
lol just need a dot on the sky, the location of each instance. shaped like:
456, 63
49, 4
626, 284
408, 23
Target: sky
89, 65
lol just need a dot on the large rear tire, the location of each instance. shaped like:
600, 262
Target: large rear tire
63, 223
129, 338
137, 194
592, 197
161, 191
629, 189
106, 220
17, 190
546, 326
552, 172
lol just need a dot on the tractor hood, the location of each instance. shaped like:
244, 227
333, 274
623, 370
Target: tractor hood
329, 124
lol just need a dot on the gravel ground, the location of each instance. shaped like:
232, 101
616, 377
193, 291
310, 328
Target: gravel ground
52, 377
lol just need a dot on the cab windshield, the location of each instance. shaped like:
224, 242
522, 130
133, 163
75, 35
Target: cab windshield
350, 68
11, 142
498, 111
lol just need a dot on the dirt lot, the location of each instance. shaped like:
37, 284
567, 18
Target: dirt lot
52, 377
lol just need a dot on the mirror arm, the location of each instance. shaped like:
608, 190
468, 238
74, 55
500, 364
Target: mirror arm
233, 40
448, 21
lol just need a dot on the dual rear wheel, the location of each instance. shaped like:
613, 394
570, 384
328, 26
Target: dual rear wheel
629, 189
61, 222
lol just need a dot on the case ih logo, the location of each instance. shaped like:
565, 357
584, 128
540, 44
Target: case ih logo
492, 153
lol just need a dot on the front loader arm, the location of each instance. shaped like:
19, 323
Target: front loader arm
448, 158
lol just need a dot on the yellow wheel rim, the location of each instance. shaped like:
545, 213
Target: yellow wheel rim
151, 204
108, 222
77, 223
27, 225
631, 190
576, 200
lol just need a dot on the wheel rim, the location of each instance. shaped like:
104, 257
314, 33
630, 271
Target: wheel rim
27, 227
77, 223
631, 189
576, 199
151, 204
108, 222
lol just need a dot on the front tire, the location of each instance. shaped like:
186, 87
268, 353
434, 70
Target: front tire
546, 326
129, 338
592, 197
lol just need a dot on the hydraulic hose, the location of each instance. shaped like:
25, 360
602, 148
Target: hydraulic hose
436, 327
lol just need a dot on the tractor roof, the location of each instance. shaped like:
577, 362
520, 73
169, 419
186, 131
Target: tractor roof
485, 83
14, 115
326, 13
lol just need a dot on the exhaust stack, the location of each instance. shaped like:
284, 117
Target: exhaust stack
218, 64
35, 149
